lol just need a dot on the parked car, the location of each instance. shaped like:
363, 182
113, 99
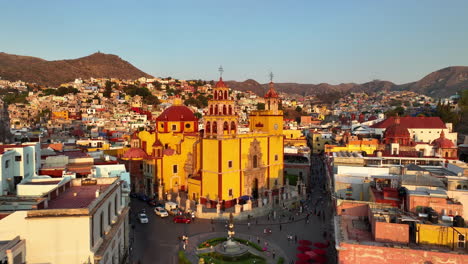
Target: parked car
182, 219
143, 197
153, 202
161, 212
143, 218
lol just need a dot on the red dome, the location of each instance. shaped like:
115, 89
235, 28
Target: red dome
271, 92
135, 153
443, 142
396, 131
177, 113
220, 83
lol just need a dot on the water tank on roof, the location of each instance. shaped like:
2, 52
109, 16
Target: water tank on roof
433, 216
458, 221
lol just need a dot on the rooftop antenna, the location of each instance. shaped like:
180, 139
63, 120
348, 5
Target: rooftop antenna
221, 70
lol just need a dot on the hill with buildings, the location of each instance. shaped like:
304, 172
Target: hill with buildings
441, 83
40, 71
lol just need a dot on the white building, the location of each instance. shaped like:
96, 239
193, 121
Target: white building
18, 162
79, 221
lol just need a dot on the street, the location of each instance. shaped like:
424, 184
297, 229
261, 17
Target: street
158, 241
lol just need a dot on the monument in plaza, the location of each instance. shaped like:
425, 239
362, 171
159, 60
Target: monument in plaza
231, 247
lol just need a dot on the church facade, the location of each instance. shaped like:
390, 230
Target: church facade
217, 163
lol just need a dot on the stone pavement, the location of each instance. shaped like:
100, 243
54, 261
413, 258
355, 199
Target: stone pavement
194, 241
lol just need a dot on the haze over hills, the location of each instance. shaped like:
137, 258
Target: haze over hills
441, 83
36, 70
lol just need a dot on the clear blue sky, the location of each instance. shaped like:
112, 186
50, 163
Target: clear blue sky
300, 41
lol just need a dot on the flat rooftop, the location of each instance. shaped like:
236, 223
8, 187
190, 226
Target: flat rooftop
51, 182
77, 197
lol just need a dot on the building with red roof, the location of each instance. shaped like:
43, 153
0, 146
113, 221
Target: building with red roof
421, 129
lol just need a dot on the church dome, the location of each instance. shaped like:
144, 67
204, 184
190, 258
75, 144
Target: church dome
443, 142
135, 153
220, 83
177, 113
271, 92
396, 130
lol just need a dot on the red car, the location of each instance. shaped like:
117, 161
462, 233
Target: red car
182, 219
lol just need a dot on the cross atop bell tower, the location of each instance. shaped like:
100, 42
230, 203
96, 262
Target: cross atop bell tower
221, 70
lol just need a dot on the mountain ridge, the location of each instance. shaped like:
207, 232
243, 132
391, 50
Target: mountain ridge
54, 72
440, 83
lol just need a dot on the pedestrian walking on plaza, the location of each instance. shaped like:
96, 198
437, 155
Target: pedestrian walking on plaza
248, 225
258, 240
295, 238
273, 253
280, 227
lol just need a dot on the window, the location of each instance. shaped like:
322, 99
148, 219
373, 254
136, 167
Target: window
230, 164
109, 213
461, 241
174, 127
17, 158
187, 125
276, 181
230, 192
101, 225
166, 146
27, 158
255, 161
276, 157
7, 164
116, 204
174, 168
162, 125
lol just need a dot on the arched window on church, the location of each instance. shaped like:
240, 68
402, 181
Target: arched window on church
208, 127
220, 95
446, 154
216, 96
215, 127
225, 95
224, 110
226, 126
211, 109
255, 162
230, 110
233, 126
459, 187
216, 109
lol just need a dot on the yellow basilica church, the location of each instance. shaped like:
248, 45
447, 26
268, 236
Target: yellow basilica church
218, 163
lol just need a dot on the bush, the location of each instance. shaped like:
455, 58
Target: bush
214, 257
248, 243
280, 260
212, 242
182, 258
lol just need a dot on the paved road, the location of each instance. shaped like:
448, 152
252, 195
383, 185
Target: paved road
158, 241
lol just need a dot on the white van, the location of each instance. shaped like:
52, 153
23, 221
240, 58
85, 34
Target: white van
172, 208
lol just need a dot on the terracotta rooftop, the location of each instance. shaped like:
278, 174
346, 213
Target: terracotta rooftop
412, 122
85, 194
